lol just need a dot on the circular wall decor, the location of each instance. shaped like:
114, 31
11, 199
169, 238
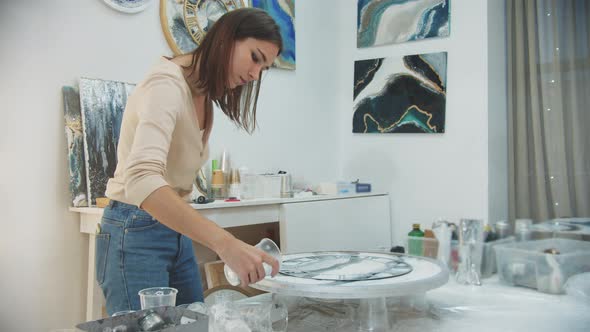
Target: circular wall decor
185, 22
128, 6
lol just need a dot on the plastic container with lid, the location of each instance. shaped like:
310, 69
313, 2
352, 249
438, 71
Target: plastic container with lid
488, 260
544, 265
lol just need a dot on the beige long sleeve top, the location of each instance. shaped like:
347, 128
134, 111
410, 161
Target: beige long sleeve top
160, 142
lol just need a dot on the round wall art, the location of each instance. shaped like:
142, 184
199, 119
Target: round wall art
185, 22
128, 6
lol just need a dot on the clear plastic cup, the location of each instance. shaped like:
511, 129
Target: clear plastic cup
248, 316
157, 297
266, 245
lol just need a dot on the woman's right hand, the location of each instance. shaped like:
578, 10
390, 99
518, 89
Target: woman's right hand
165, 205
246, 261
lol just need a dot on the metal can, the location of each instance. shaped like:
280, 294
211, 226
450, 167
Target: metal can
151, 322
502, 229
522, 229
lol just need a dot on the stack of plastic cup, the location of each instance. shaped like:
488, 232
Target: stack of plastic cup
266, 245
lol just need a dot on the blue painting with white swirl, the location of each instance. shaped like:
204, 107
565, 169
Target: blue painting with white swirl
102, 104
283, 12
75, 140
382, 22
400, 94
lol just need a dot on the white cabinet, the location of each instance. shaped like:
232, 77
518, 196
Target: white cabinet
356, 223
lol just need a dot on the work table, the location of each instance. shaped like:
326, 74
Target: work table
91, 215
354, 222
492, 307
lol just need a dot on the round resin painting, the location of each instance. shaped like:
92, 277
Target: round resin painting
345, 266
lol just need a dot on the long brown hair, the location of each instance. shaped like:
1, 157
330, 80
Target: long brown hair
213, 55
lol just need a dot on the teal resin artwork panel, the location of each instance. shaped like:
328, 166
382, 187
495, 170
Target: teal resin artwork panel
382, 22
75, 141
400, 94
102, 103
283, 12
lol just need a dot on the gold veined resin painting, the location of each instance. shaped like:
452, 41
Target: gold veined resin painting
400, 94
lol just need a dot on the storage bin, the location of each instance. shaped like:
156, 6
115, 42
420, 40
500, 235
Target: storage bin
423, 246
488, 261
260, 186
531, 265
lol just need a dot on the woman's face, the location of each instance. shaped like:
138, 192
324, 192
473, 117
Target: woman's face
249, 58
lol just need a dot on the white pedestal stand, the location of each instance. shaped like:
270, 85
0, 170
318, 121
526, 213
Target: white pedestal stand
372, 314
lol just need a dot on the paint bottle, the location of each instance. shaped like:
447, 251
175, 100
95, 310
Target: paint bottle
415, 237
234, 184
217, 182
224, 166
454, 248
488, 233
430, 244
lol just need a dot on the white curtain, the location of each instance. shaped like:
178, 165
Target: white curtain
549, 108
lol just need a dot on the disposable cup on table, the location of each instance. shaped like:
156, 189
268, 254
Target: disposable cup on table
157, 297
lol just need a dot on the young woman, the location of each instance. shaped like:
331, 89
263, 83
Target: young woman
147, 230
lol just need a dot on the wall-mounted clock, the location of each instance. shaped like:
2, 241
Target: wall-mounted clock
185, 22
128, 6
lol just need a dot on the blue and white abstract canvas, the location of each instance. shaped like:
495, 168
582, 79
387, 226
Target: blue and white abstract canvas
103, 103
400, 94
381, 22
75, 141
283, 12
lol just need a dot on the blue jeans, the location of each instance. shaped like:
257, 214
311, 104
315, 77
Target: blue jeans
134, 251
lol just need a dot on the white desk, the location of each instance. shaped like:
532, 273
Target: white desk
492, 307
345, 222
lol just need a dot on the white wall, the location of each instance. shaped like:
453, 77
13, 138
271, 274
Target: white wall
296, 119
305, 127
47, 44
428, 176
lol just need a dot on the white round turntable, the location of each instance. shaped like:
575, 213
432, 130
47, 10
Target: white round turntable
369, 276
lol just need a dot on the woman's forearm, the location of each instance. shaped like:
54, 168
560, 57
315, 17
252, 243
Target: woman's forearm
166, 206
